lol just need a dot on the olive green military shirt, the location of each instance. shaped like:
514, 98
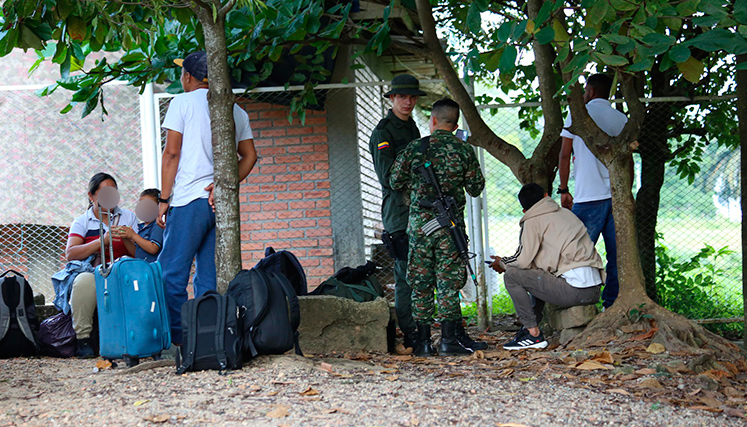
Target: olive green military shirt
456, 168
390, 137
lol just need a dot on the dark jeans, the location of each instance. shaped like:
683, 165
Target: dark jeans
544, 287
597, 217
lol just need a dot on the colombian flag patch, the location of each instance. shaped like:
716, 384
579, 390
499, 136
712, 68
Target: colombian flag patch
383, 145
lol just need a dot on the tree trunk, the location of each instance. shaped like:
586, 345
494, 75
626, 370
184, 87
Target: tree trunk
220, 104
742, 117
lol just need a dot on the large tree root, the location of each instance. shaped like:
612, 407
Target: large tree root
653, 324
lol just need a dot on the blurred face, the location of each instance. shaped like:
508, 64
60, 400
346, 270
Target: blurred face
402, 105
94, 197
588, 93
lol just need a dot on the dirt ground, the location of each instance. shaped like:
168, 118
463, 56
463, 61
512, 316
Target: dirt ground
633, 386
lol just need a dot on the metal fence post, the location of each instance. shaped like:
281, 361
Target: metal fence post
149, 139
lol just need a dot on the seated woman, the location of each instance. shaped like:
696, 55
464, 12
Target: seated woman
82, 242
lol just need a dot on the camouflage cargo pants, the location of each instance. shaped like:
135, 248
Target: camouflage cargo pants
433, 264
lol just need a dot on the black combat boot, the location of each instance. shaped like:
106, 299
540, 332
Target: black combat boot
411, 338
466, 341
449, 345
423, 346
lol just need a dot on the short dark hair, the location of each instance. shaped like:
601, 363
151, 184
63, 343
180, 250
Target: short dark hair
95, 183
151, 192
530, 194
446, 110
601, 82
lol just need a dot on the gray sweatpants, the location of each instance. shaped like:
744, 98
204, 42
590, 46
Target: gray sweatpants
544, 287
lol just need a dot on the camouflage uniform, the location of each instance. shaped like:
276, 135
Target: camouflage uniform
433, 262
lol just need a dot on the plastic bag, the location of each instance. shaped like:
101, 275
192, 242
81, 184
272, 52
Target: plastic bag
57, 336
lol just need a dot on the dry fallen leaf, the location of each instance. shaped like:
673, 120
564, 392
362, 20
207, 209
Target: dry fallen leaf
706, 408
162, 418
392, 378
273, 393
511, 425
618, 391
590, 365
656, 348
478, 355
732, 412
650, 383
714, 403
402, 350
309, 392
254, 387
646, 371
103, 364
326, 367
280, 411
603, 357
141, 402
414, 421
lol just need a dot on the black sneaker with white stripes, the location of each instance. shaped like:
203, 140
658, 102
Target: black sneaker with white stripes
524, 339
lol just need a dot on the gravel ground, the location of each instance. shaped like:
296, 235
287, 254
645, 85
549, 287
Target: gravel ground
297, 391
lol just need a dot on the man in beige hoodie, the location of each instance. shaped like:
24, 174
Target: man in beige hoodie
556, 262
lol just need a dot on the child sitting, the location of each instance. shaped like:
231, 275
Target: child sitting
149, 238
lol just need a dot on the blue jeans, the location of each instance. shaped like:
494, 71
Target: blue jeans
597, 217
189, 235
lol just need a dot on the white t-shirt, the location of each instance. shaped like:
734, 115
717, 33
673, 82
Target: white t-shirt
592, 177
86, 227
188, 114
582, 277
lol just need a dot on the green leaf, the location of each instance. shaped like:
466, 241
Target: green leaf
545, 35
691, 69
508, 60
491, 59
679, 53
29, 40
544, 13
616, 38
687, 8
706, 21
623, 5
474, 20
612, 60
657, 39
504, 31
67, 109
642, 65
714, 40
742, 66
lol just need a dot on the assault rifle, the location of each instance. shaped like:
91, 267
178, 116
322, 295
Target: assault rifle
446, 209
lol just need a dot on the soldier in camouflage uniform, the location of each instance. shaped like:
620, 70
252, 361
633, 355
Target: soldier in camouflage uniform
390, 137
433, 262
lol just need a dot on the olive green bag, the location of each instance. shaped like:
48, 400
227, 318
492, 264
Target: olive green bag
366, 290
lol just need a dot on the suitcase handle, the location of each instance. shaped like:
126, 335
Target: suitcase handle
107, 302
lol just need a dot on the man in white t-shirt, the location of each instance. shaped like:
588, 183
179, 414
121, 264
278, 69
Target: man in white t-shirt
556, 262
593, 200
186, 203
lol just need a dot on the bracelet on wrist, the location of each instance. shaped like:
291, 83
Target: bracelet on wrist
563, 190
167, 200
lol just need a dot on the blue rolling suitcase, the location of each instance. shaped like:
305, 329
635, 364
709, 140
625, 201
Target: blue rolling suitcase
133, 319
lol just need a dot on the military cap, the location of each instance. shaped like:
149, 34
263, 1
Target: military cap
405, 84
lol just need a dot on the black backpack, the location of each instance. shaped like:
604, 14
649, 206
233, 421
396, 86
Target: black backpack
269, 311
285, 263
357, 284
211, 334
18, 322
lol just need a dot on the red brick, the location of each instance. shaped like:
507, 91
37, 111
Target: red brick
313, 176
260, 179
305, 130
316, 120
264, 235
271, 151
319, 232
273, 169
275, 225
242, 198
318, 157
254, 106
288, 178
324, 222
266, 160
287, 141
289, 196
263, 216
322, 272
243, 217
278, 206
268, 142
249, 208
274, 114
317, 213
321, 148
246, 188
320, 129
315, 194
290, 214
260, 124
262, 197
306, 243
251, 226
300, 186
323, 184
321, 204
314, 139
268, 133
301, 149
329, 262
251, 246
252, 117
325, 242
301, 167
272, 188
290, 234
321, 166
309, 262
320, 252
303, 223
301, 205
288, 159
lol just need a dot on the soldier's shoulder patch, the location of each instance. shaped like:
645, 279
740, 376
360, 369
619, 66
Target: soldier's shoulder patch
383, 145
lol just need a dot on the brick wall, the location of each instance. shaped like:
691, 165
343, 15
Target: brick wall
285, 201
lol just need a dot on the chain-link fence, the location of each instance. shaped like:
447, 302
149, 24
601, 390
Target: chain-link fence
314, 190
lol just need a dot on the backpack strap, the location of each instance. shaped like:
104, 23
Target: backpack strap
190, 344
220, 331
4, 313
269, 251
21, 318
294, 310
10, 270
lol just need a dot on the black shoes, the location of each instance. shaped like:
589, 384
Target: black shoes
84, 350
423, 346
466, 341
411, 338
524, 339
450, 345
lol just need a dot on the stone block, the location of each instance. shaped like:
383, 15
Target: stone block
566, 335
331, 323
45, 311
572, 317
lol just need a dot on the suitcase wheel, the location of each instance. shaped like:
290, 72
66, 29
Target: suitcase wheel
131, 361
